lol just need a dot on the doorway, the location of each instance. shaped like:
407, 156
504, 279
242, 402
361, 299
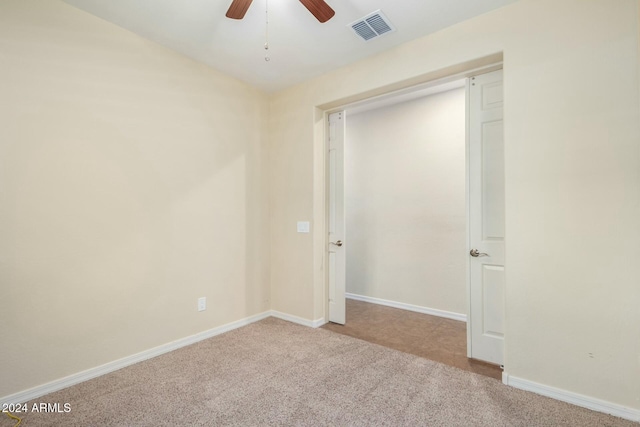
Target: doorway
430, 337
407, 227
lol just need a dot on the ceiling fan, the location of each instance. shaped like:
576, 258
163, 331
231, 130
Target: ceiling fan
318, 8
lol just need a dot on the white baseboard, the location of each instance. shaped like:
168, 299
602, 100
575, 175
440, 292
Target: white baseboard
573, 398
548, 391
41, 390
299, 320
410, 307
59, 384
318, 322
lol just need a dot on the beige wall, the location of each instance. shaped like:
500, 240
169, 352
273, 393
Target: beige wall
132, 182
572, 183
405, 202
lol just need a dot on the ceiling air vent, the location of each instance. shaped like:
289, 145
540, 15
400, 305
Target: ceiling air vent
373, 25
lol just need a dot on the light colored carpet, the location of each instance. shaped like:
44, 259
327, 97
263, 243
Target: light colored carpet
277, 373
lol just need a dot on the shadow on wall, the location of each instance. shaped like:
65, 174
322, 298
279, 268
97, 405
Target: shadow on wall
132, 185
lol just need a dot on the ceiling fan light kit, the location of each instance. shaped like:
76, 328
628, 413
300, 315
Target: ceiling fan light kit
318, 8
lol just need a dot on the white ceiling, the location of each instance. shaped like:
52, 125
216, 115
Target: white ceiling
299, 46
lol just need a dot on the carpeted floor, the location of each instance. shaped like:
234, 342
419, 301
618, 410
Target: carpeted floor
277, 373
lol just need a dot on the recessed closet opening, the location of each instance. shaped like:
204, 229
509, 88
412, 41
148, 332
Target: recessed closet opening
405, 224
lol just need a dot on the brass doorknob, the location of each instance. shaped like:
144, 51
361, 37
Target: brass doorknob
338, 243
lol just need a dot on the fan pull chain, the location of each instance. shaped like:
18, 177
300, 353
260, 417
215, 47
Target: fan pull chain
266, 34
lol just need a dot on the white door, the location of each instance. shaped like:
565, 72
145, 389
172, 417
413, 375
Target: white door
486, 218
336, 251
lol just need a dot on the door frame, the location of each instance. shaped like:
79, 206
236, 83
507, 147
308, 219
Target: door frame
491, 63
467, 201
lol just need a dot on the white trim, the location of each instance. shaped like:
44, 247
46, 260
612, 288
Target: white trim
299, 320
467, 201
410, 307
573, 398
77, 378
318, 322
59, 384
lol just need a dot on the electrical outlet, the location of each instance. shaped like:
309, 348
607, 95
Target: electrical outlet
202, 304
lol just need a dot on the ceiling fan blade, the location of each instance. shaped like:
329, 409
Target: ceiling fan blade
238, 8
319, 8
